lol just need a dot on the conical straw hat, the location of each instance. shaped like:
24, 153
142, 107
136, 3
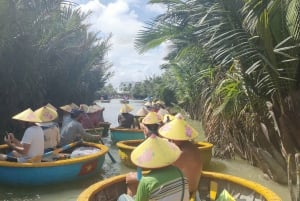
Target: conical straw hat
66, 108
27, 115
162, 112
167, 118
152, 118
178, 129
141, 112
155, 152
74, 106
126, 108
51, 106
83, 107
46, 114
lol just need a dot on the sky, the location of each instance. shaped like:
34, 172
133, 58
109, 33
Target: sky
124, 19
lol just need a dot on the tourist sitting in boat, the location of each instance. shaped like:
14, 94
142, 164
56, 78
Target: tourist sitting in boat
125, 118
32, 143
66, 117
148, 106
93, 117
74, 131
50, 129
182, 134
164, 181
151, 123
138, 117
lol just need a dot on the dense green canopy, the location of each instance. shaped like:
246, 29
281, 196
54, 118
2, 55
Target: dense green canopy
235, 66
47, 55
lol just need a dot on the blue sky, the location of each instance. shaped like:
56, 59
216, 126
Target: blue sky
124, 18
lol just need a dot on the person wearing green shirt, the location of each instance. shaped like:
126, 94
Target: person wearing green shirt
164, 181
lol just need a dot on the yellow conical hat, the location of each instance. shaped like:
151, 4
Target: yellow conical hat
178, 129
46, 114
126, 108
51, 106
141, 112
152, 118
74, 106
84, 107
155, 152
27, 115
162, 112
66, 108
167, 118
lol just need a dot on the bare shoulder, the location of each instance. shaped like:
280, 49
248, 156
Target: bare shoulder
189, 148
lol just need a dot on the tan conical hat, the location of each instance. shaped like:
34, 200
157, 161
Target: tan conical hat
27, 115
141, 112
51, 106
162, 112
152, 118
74, 106
126, 108
178, 129
67, 108
84, 107
155, 152
46, 114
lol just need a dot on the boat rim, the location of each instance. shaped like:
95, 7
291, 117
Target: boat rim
104, 149
123, 144
127, 130
258, 188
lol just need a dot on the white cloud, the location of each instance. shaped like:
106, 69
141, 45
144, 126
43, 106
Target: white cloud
124, 19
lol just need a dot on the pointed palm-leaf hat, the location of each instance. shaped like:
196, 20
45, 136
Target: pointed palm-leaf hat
155, 152
27, 115
178, 129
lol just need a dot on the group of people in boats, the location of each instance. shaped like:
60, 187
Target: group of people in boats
43, 133
168, 151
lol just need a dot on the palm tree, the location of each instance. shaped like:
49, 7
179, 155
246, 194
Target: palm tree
252, 53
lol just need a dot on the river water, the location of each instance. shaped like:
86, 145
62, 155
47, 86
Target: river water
69, 191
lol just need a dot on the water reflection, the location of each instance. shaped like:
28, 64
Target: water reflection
69, 191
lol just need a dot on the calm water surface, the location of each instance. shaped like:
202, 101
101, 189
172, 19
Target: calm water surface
69, 191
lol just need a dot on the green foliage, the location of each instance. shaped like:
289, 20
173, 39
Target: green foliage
47, 55
227, 59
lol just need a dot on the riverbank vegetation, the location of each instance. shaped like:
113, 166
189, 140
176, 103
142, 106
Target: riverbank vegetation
235, 66
47, 55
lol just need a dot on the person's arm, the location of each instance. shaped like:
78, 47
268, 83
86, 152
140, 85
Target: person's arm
132, 183
142, 191
16, 145
87, 136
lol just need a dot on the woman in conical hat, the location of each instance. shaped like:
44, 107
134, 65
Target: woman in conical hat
125, 118
182, 134
138, 117
50, 127
151, 123
32, 143
164, 181
46, 114
66, 116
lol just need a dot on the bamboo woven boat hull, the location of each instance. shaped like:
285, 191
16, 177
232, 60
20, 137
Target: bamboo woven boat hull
127, 146
210, 187
43, 173
121, 134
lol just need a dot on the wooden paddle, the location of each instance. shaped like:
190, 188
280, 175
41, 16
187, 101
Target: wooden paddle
38, 158
93, 127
